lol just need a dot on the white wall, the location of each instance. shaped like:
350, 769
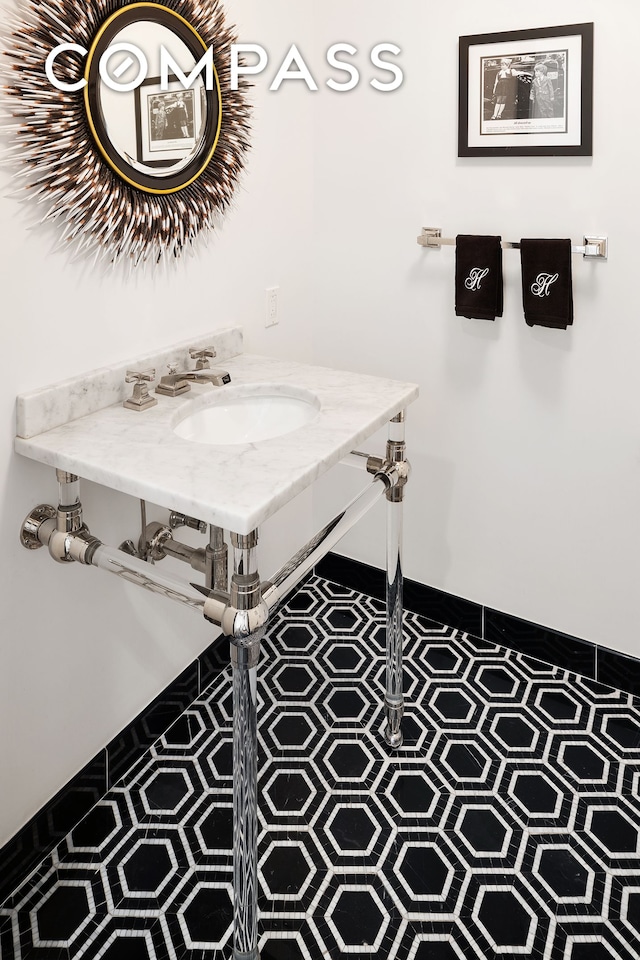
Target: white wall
80, 657
525, 442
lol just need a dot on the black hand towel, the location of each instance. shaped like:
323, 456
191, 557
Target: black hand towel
478, 277
547, 294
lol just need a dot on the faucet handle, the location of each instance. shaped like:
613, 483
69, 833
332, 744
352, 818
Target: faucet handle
140, 376
140, 399
202, 356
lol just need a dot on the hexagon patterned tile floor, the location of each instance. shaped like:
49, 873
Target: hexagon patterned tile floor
507, 824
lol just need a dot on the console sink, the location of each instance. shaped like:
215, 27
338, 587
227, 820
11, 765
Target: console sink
247, 415
231, 456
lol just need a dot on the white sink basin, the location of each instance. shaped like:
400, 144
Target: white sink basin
236, 415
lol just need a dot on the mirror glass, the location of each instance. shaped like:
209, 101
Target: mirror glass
158, 140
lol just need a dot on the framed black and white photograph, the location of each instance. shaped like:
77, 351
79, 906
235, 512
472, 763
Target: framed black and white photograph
168, 122
527, 93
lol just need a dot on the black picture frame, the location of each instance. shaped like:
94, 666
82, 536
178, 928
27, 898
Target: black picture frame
144, 123
527, 93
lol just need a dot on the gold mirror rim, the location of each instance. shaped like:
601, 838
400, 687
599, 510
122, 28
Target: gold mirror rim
90, 57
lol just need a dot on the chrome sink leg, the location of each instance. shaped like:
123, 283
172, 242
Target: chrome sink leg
244, 621
394, 698
245, 802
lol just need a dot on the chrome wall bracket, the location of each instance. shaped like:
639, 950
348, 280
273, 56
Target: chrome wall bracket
597, 247
430, 237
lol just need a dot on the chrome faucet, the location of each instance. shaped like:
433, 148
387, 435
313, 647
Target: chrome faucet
178, 381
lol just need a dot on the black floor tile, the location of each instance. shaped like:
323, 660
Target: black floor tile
433, 604
540, 643
507, 824
213, 661
616, 670
47, 828
129, 747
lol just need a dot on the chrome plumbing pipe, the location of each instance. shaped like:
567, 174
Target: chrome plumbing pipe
40, 526
68, 516
217, 561
40, 529
194, 556
211, 560
394, 696
68, 538
306, 558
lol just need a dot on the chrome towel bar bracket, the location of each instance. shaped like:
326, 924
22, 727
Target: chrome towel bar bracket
592, 248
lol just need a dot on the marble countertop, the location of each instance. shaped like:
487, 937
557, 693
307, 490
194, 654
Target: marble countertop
235, 487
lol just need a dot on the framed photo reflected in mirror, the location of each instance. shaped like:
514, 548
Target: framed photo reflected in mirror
168, 122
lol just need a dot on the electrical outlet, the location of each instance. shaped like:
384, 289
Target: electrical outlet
271, 316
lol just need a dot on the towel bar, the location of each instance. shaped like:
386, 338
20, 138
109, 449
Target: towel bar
592, 248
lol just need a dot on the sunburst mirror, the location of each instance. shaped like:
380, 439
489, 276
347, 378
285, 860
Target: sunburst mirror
123, 123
